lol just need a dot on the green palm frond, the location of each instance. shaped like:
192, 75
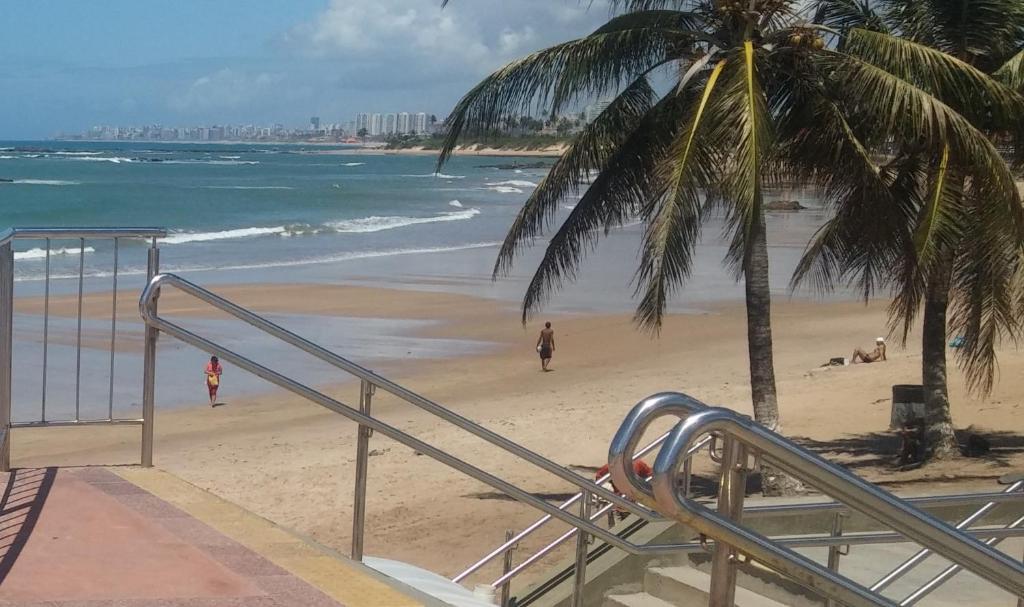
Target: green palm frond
845, 15
590, 151
897, 107
959, 84
749, 135
985, 276
982, 32
938, 225
618, 193
1012, 72
675, 215
590, 67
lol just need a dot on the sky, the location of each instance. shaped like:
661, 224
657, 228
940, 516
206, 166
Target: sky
66, 65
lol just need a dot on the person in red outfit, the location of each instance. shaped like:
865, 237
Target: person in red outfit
642, 469
213, 373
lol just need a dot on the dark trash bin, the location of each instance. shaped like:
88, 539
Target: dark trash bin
907, 404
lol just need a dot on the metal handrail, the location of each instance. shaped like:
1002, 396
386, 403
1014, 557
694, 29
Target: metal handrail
515, 539
529, 561
10, 234
7, 238
909, 564
152, 290
743, 434
147, 304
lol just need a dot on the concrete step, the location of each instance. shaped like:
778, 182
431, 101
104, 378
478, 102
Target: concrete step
642, 599
685, 586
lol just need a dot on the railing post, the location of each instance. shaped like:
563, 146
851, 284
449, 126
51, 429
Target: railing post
366, 390
731, 492
6, 350
834, 551
582, 541
149, 366
506, 566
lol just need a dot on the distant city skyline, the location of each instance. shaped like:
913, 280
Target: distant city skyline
376, 125
66, 65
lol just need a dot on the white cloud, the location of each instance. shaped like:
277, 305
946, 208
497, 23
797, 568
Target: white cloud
224, 89
411, 36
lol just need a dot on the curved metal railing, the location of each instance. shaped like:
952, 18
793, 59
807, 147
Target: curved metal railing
742, 437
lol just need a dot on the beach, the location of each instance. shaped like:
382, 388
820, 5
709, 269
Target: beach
380, 259
293, 462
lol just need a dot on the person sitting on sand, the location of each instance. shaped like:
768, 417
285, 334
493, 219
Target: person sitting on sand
546, 346
875, 355
213, 373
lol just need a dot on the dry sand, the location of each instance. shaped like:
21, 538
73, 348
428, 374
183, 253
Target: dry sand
293, 462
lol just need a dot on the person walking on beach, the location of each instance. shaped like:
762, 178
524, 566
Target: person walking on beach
213, 373
870, 357
546, 345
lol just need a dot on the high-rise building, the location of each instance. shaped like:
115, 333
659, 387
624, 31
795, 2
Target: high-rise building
419, 123
404, 123
314, 123
376, 125
363, 122
390, 124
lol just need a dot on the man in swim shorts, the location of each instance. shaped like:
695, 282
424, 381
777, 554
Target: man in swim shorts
546, 346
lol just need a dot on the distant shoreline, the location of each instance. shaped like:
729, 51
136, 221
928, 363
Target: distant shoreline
350, 149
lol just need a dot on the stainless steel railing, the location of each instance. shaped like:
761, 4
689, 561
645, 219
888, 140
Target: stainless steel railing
734, 542
7, 270
364, 417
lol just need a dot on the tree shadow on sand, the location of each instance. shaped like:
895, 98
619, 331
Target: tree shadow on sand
879, 449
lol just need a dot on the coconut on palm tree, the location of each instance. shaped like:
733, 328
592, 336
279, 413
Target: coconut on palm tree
713, 101
952, 254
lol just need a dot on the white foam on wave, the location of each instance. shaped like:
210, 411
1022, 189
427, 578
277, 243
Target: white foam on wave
229, 157
185, 237
7, 157
456, 204
366, 225
247, 187
213, 162
436, 176
348, 257
43, 182
516, 183
504, 189
112, 159
352, 164
341, 257
41, 253
67, 153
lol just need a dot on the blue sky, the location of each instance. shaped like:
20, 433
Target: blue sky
66, 65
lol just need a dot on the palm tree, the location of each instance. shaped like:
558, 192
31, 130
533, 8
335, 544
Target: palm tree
960, 273
754, 96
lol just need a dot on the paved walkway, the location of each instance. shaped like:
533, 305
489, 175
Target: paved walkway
94, 537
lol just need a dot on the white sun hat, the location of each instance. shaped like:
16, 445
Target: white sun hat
879, 340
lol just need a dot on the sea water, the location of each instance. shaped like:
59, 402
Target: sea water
239, 213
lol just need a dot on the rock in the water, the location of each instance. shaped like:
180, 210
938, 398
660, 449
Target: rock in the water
784, 205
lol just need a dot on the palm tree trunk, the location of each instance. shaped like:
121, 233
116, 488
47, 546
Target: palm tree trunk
939, 435
759, 344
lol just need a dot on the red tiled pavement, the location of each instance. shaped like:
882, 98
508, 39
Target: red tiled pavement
88, 538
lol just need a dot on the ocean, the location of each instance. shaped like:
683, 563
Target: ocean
240, 213
255, 212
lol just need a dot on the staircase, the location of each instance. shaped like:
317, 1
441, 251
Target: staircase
680, 586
